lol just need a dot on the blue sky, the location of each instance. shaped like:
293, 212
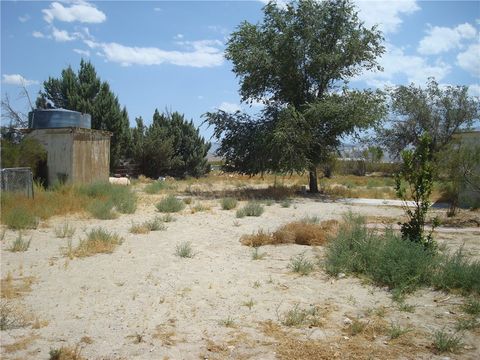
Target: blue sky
169, 55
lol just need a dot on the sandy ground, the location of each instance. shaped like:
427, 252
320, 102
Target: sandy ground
144, 302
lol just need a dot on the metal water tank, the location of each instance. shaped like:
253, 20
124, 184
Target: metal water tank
58, 118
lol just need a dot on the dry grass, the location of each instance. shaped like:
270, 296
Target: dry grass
298, 232
21, 344
166, 333
289, 345
12, 316
67, 353
98, 241
16, 287
139, 229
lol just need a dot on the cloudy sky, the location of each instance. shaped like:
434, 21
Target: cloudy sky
169, 54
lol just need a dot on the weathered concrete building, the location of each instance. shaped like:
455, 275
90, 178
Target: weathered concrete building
75, 154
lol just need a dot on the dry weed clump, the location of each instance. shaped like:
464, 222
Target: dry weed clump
11, 316
66, 353
298, 232
98, 241
16, 287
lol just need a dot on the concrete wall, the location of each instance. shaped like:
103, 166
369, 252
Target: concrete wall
75, 155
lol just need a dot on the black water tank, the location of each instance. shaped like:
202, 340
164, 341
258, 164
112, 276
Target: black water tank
58, 118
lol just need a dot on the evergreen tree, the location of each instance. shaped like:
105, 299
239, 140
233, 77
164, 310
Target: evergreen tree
170, 146
85, 92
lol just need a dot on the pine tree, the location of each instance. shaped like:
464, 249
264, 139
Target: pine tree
86, 93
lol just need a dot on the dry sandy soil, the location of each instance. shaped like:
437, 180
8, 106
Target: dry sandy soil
144, 302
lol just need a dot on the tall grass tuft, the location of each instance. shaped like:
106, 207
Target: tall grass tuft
250, 209
64, 231
444, 342
19, 244
170, 204
184, 250
109, 197
301, 265
102, 210
228, 203
98, 240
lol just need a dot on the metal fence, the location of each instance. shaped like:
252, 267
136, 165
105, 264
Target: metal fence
18, 180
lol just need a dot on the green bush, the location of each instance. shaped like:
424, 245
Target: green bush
401, 265
458, 272
20, 218
300, 264
170, 204
250, 209
102, 210
98, 240
19, 245
228, 203
184, 250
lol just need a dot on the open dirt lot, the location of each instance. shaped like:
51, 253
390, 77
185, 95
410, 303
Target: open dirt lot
144, 302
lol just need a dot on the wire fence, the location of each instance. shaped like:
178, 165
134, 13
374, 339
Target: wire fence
19, 180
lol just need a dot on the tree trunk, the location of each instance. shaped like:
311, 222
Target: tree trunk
313, 180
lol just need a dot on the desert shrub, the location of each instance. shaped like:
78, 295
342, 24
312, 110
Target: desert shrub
187, 200
258, 239
297, 316
167, 218
98, 240
401, 265
170, 204
301, 265
155, 224
20, 218
102, 210
19, 244
286, 203
228, 203
199, 208
155, 187
66, 353
457, 272
250, 209
472, 306
64, 231
184, 250
139, 229
302, 233
11, 317
387, 259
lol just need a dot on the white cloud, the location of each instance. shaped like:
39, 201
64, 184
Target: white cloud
62, 35
203, 53
200, 97
178, 37
38, 34
82, 52
80, 10
387, 14
469, 60
474, 90
229, 107
24, 18
396, 63
441, 39
17, 79
157, 9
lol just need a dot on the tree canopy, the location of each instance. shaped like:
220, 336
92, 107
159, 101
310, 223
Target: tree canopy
296, 62
437, 111
85, 92
170, 146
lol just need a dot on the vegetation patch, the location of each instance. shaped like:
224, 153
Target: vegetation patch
66, 353
19, 244
445, 342
301, 264
402, 265
184, 250
156, 187
305, 232
11, 317
250, 209
98, 240
298, 316
228, 203
170, 204
64, 231
20, 218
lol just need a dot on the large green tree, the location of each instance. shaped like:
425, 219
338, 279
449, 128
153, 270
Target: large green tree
85, 92
296, 62
171, 145
439, 112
